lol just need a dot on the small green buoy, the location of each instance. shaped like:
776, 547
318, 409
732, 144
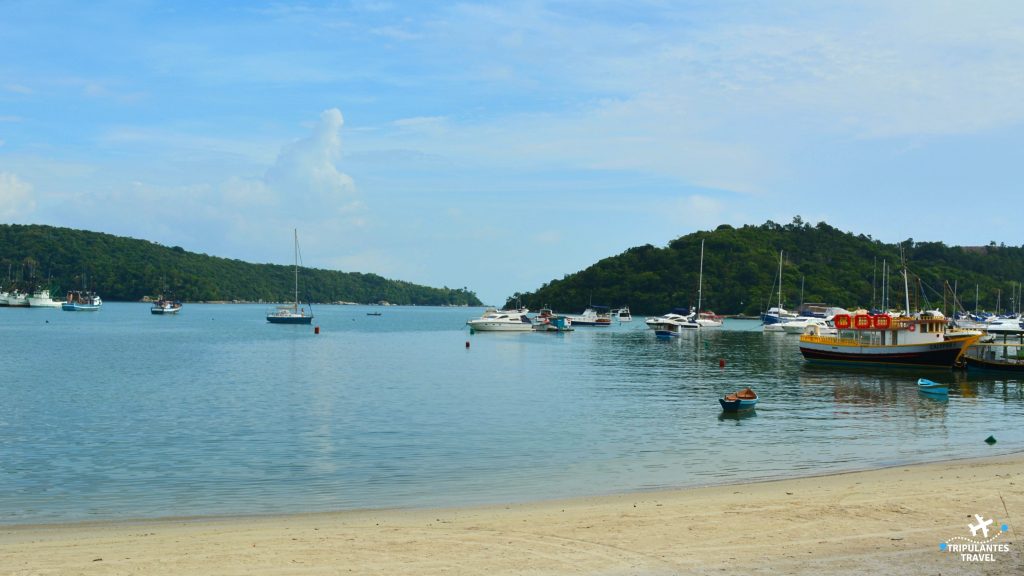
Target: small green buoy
990, 440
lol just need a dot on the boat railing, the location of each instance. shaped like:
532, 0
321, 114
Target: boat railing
824, 339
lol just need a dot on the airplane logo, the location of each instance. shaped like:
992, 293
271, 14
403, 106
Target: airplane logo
981, 525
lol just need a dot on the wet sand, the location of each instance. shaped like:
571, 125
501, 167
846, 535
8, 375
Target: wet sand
888, 521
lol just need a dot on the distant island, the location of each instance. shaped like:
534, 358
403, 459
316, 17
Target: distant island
821, 264
128, 269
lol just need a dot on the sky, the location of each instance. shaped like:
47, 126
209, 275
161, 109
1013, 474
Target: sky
500, 145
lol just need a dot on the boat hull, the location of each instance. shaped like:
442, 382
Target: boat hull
737, 405
75, 307
944, 354
994, 365
290, 319
500, 327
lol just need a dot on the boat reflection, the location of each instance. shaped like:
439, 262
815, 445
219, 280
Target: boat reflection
738, 416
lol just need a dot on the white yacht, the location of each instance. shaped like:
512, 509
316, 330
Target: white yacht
623, 314
802, 324
501, 321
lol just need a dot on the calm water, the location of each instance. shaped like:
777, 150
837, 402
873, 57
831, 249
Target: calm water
121, 414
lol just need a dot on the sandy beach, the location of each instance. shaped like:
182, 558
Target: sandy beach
888, 521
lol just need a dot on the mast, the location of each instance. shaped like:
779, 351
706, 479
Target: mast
780, 284
700, 278
296, 232
906, 283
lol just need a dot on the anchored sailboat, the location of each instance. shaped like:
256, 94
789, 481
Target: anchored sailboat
292, 314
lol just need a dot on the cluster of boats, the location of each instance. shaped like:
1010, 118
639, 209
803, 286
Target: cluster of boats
519, 320
38, 298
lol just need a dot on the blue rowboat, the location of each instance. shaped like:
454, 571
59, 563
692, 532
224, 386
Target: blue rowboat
743, 400
926, 386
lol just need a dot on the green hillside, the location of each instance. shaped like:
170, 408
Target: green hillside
741, 264
121, 268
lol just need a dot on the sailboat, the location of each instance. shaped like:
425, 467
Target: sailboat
292, 314
771, 321
695, 319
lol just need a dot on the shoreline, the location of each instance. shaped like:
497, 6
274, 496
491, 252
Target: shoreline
886, 520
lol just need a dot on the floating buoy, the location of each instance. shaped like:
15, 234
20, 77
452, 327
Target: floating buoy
316, 330
990, 440
467, 344
721, 362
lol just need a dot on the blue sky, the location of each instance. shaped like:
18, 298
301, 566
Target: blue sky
500, 145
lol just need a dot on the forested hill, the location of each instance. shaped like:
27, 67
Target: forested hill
741, 265
121, 268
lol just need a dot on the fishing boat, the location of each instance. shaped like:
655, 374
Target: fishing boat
81, 301
165, 306
926, 386
41, 299
494, 320
742, 400
293, 314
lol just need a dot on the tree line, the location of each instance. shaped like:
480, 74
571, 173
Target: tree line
128, 269
821, 264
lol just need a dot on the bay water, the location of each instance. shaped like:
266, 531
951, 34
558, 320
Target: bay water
121, 414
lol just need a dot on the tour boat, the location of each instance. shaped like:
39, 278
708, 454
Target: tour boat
881, 339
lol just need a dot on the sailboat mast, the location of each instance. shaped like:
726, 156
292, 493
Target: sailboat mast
296, 232
780, 283
700, 277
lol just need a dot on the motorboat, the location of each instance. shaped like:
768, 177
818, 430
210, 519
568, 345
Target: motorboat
623, 315
502, 321
593, 316
800, 325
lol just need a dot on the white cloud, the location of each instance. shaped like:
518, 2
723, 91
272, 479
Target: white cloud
16, 197
306, 174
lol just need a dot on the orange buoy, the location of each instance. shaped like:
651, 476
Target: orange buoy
721, 362
316, 330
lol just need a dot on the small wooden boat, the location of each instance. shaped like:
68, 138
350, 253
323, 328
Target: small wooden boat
743, 400
926, 386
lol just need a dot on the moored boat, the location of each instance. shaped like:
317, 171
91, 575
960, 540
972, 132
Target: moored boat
292, 314
165, 306
884, 340
744, 399
81, 301
494, 320
41, 299
926, 386
593, 316
623, 315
